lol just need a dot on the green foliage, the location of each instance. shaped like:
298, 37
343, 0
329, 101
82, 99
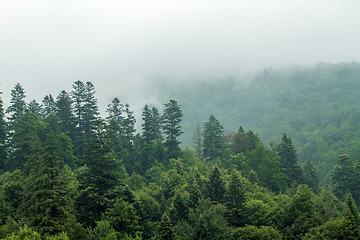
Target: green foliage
288, 161
208, 221
213, 139
166, 230
339, 228
216, 185
99, 178
103, 230
171, 120
46, 203
18, 104
256, 233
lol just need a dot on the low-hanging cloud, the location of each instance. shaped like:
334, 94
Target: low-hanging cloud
120, 45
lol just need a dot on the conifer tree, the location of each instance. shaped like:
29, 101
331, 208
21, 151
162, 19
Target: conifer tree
26, 140
34, 107
310, 177
17, 104
48, 105
64, 113
100, 178
213, 139
85, 109
3, 137
343, 176
171, 120
166, 229
235, 199
198, 142
129, 127
216, 185
46, 202
288, 161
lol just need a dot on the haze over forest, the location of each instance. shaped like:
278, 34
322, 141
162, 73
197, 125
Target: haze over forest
242, 123
124, 47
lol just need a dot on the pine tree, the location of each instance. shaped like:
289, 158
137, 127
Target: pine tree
156, 124
3, 137
166, 229
100, 178
310, 176
235, 199
198, 142
85, 109
26, 140
129, 127
343, 176
48, 105
213, 139
216, 185
288, 161
34, 107
18, 104
171, 120
46, 203
64, 113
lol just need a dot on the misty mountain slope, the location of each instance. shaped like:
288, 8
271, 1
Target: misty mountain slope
312, 105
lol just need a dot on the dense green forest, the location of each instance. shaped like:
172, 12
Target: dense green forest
317, 106
67, 173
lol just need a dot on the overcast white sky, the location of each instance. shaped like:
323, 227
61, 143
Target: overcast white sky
47, 45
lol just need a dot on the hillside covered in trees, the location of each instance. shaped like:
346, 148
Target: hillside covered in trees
317, 106
67, 173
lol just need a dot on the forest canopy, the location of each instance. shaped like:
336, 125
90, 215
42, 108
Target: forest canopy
69, 173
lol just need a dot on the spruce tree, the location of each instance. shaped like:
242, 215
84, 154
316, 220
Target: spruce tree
310, 176
26, 140
213, 139
17, 104
46, 202
216, 185
99, 179
85, 110
171, 120
198, 142
48, 105
166, 229
3, 137
235, 199
64, 113
34, 107
288, 161
343, 176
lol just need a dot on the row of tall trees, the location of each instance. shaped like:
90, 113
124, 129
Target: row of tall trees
69, 174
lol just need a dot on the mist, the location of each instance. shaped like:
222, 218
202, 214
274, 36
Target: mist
125, 47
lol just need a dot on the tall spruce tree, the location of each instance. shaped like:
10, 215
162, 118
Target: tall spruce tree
171, 120
64, 113
310, 177
17, 104
34, 107
213, 139
85, 109
46, 202
48, 105
216, 185
235, 199
198, 142
3, 137
26, 140
288, 161
343, 176
100, 178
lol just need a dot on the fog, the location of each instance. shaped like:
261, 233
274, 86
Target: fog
124, 46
